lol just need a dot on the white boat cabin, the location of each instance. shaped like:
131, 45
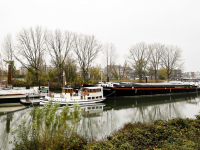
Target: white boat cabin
87, 93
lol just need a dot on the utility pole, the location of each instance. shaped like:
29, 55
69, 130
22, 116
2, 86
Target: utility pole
101, 75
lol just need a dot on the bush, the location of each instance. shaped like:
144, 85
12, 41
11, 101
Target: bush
50, 129
172, 134
19, 83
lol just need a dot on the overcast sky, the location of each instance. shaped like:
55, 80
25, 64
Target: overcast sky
121, 22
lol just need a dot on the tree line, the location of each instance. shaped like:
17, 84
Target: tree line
144, 60
71, 52
150, 58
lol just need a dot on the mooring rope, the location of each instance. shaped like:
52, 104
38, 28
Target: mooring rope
110, 94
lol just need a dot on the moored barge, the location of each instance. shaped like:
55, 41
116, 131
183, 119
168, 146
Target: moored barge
136, 89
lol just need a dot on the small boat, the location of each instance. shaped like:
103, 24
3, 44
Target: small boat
85, 95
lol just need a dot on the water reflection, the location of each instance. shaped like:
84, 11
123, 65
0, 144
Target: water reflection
119, 111
8, 120
102, 119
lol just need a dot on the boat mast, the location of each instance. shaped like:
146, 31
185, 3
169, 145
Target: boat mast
64, 79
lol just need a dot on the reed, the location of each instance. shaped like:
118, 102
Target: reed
50, 128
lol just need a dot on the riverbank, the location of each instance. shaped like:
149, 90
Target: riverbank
172, 134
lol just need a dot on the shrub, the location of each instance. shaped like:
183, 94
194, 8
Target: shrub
19, 83
50, 128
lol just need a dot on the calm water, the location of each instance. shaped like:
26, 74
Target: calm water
97, 123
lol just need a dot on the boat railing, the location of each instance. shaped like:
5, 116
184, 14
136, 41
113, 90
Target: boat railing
4, 87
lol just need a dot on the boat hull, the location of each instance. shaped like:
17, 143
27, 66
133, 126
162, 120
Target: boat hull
70, 102
148, 90
11, 98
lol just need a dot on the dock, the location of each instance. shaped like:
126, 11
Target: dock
30, 102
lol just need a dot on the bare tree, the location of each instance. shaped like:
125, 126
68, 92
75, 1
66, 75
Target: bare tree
115, 71
31, 47
150, 71
124, 69
156, 51
70, 69
8, 47
86, 49
58, 45
118, 71
110, 56
171, 59
139, 56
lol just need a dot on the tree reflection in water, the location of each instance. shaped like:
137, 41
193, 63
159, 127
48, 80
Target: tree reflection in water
8, 123
126, 110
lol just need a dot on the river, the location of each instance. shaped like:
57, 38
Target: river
98, 123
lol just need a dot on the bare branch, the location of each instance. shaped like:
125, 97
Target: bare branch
139, 56
171, 59
8, 47
86, 49
30, 46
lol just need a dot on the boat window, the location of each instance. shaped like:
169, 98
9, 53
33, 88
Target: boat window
97, 97
100, 107
93, 97
89, 97
93, 107
100, 96
89, 107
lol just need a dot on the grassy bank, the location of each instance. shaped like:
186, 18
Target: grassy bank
50, 129
172, 134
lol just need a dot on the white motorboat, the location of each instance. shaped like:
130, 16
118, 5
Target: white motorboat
17, 93
85, 95
10, 94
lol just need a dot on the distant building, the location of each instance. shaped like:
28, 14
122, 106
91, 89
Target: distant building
176, 74
23, 70
197, 74
191, 75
